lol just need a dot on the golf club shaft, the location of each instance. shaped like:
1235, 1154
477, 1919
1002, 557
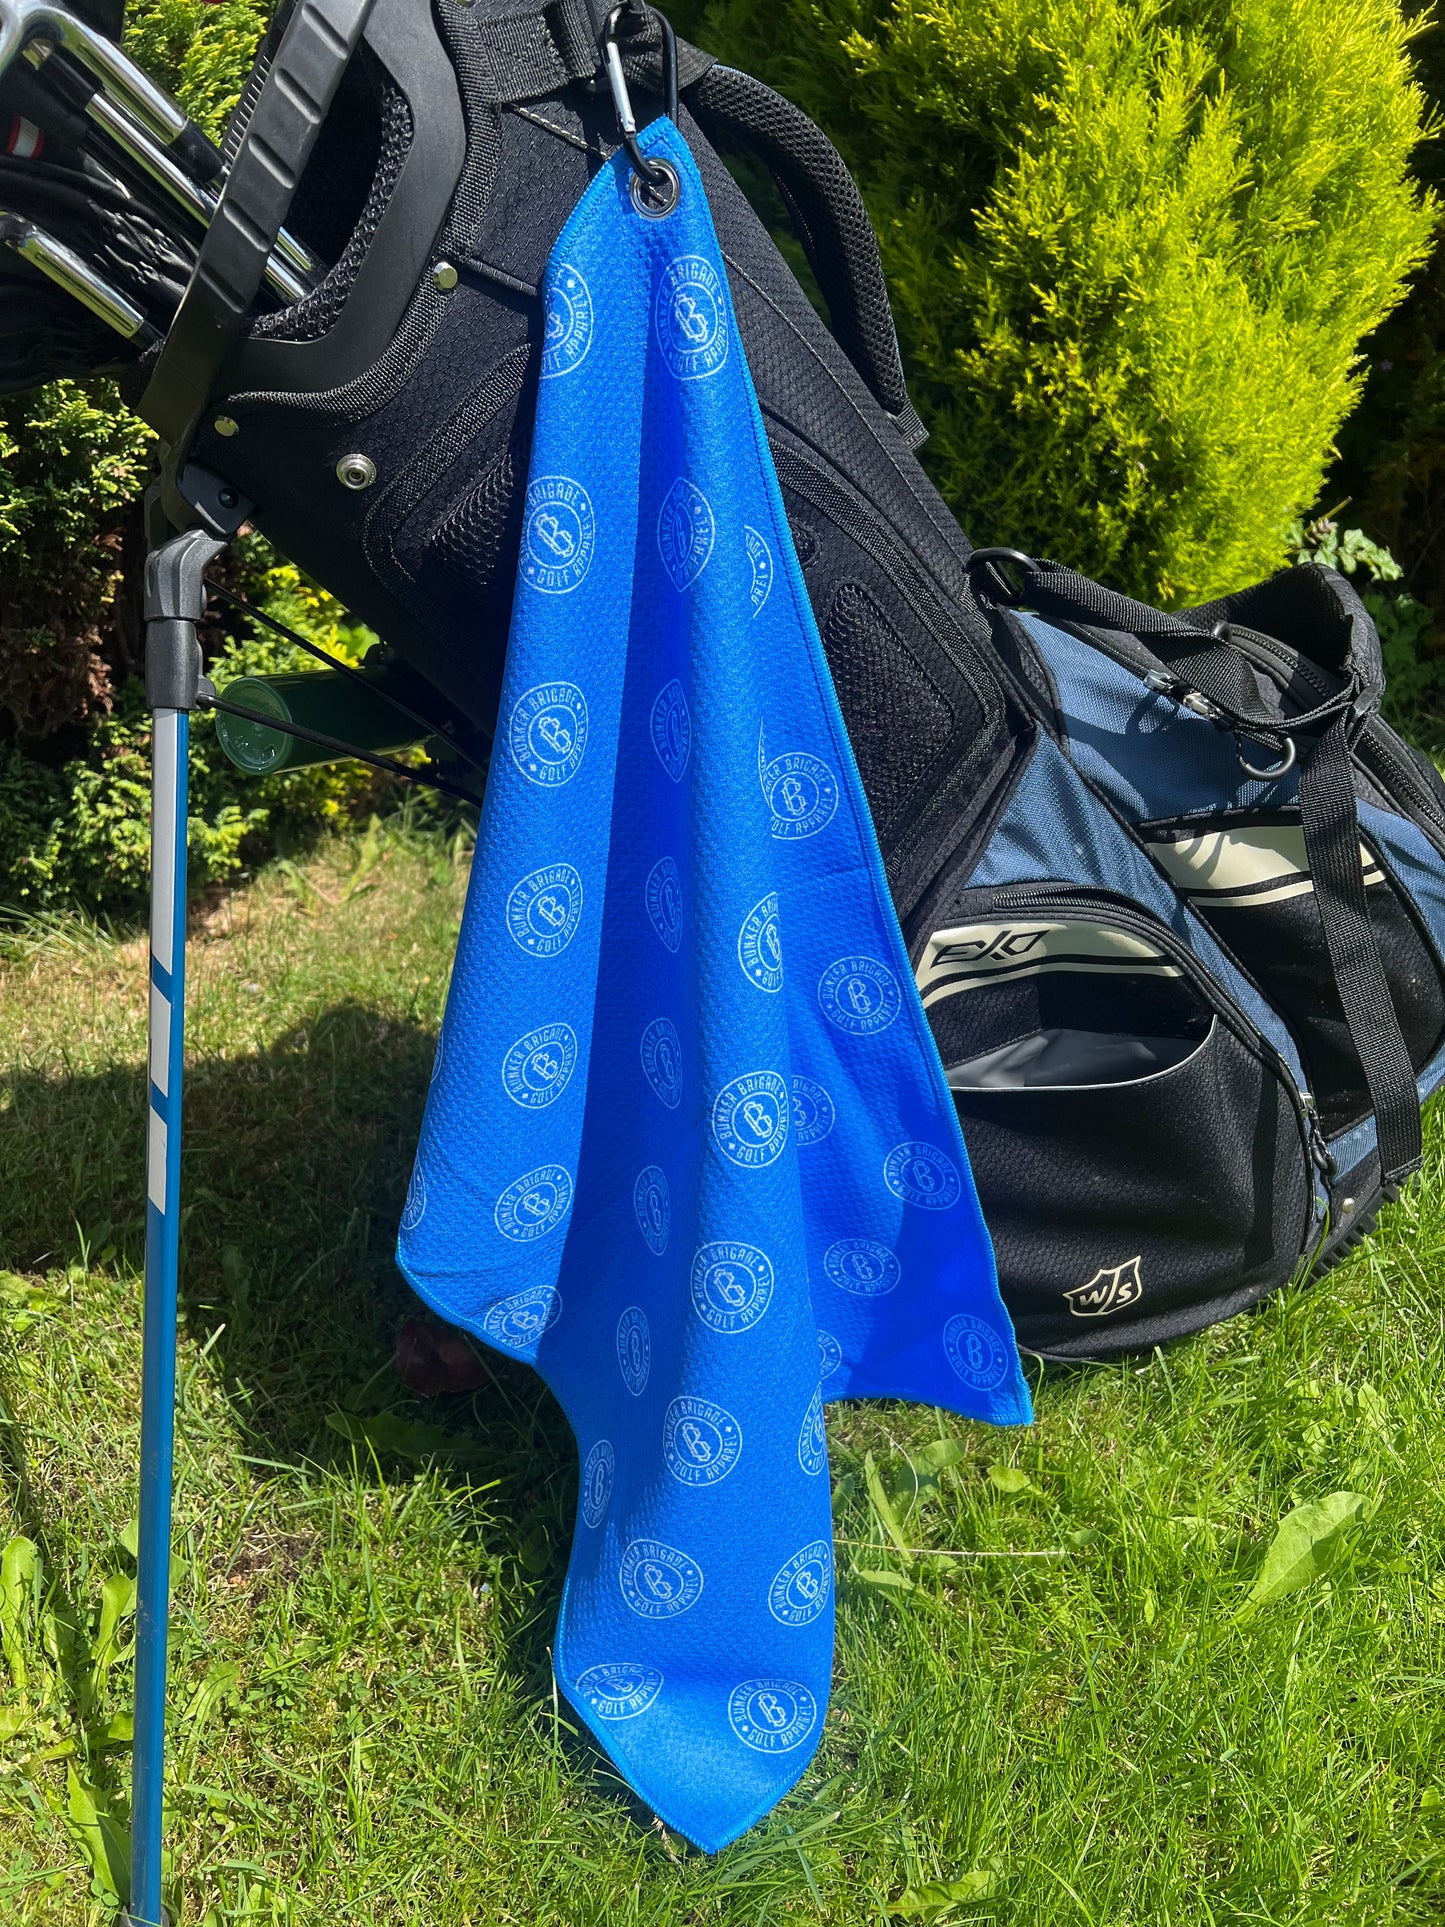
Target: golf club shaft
67, 270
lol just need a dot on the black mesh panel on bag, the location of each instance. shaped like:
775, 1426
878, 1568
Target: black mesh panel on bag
898, 719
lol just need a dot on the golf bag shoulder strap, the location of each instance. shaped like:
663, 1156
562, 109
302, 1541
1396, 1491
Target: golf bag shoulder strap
740, 115
1204, 669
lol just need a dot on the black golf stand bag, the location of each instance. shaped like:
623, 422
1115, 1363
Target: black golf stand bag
1174, 894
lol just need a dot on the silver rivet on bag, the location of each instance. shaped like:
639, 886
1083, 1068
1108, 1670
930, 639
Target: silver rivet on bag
443, 276
356, 471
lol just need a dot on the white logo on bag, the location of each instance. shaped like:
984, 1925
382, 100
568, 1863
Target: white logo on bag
799, 1592
672, 730
544, 909
533, 1205
750, 1119
830, 1354
863, 1266
619, 1690
547, 733
1111, 1289
690, 313
813, 1113
653, 1207
859, 995
685, 533
760, 944
559, 535
813, 1438
800, 790
567, 332
521, 1319
772, 1715
539, 1066
976, 1352
760, 562
701, 1442
634, 1349
921, 1174
664, 902
662, 1061
732, 1284
414, 1210
597, 1477
657, 1580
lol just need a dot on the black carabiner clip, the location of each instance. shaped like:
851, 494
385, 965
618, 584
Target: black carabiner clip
656, 188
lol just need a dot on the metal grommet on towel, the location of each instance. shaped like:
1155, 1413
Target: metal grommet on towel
656, 198
656, 189
1282, 768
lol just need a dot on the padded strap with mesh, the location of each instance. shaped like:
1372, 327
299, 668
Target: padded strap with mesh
739, 114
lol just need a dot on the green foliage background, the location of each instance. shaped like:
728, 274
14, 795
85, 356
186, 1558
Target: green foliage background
1133, 247
74, 733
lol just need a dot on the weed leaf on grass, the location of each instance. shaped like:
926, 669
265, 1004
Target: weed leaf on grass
936, 1900
19, 1564
1305, 1547
103, 1842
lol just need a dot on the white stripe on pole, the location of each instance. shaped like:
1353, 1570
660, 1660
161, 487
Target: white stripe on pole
163, 838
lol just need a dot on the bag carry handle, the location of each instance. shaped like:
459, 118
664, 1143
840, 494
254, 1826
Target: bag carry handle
1204, 666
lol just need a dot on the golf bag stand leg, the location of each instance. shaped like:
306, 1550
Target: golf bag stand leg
174, 603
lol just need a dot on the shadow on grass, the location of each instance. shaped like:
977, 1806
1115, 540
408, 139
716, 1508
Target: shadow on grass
295, 1164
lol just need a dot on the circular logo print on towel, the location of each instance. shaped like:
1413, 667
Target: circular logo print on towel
559, 535
750, 1119
732, 1284
685, 533
567, 331
672, 730
830, 1354
597, 1477
813, 1438
414, 1210
538, 1067
813, 1113
799, 1591
657, 1580
921, 1174
700, 1441
802, 794
619, 1691
662, 1061
772, 1715
543, 910
521, 1319
760, 565
634, 1349
862, 1266
976, 1352
859, 995
548, 733
691, 316
534, 1204
663, 893
760, 944
653, 1207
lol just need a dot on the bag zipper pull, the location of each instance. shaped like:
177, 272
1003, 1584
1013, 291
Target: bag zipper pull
1321, 1156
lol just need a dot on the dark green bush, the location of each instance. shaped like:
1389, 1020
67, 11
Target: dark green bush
1133, 247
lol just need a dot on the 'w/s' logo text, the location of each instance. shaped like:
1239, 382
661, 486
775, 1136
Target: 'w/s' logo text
1109, 1290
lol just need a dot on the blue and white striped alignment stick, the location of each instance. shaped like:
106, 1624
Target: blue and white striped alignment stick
171, 744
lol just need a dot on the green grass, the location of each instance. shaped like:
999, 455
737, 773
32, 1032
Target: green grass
364, 1728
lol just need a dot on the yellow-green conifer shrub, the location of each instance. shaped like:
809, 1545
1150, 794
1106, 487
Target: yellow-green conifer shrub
1133, 247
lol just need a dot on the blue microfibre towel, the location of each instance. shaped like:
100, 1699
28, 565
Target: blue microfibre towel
688, 1147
